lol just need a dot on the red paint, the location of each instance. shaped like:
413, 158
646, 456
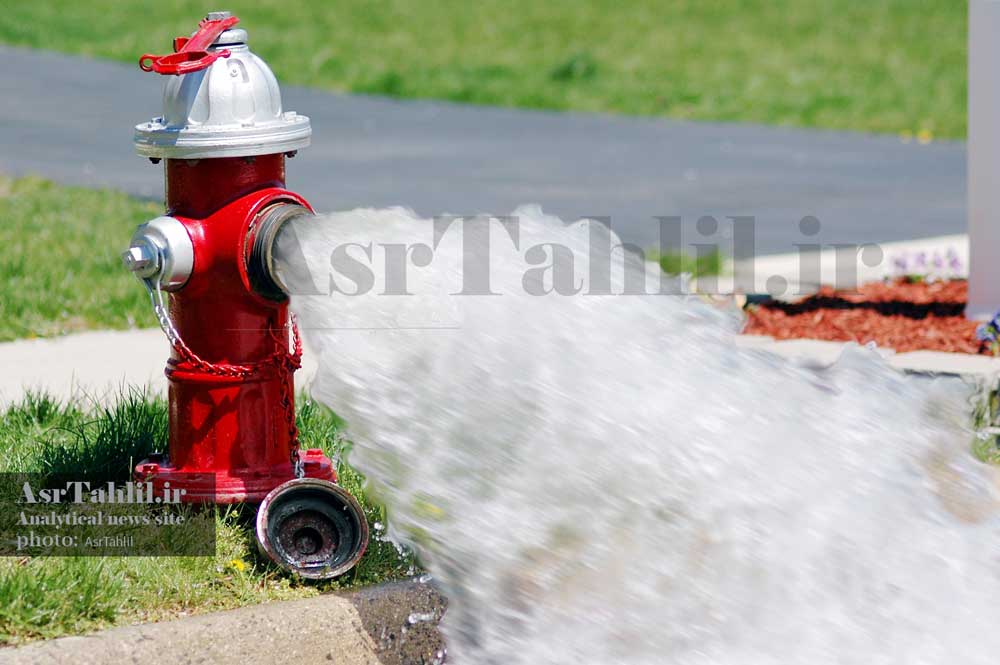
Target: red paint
230, 431
199, 187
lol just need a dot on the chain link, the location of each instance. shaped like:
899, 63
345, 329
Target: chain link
292, 362
183, 350
281, 358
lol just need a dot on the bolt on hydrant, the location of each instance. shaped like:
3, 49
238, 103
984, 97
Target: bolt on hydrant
207, 265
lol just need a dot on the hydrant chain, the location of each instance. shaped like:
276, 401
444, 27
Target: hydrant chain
293, 361
183, 350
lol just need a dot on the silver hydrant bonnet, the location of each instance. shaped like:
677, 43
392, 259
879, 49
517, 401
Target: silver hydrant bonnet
232, 108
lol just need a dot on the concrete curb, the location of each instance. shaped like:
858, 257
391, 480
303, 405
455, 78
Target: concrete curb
391, 624
821, 353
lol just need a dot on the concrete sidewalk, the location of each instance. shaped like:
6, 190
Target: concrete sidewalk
95, 365
71, 119
392, 624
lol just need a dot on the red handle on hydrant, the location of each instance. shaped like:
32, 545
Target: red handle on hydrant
190, 53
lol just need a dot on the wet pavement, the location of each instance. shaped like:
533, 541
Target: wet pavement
402, 619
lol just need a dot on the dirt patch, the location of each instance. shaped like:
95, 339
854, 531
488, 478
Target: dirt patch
903, 314
402, 619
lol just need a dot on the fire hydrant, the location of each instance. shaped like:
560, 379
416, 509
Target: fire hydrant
232, 430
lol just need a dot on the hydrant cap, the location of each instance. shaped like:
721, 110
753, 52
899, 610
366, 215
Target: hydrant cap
231, 108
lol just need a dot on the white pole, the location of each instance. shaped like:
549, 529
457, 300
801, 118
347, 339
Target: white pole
983, 155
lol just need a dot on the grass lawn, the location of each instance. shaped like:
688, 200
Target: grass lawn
60, 270
52, 596
883, 65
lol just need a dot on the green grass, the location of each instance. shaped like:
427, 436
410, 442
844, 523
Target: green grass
986, 417
46, 597
60, 269
883, 65
676, 263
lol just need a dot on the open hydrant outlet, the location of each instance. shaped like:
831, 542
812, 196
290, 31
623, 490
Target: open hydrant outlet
312, 527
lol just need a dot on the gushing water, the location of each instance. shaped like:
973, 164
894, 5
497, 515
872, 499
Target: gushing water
608, 479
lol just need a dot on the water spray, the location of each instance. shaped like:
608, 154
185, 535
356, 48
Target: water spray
232, 431
590, 478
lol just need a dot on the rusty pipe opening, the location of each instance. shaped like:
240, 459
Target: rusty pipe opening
312, 527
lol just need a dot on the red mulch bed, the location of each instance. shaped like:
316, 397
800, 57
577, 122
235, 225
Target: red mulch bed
902, 315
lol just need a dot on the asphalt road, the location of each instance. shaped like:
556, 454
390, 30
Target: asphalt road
70, 119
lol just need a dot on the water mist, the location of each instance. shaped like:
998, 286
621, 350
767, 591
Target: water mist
608, 479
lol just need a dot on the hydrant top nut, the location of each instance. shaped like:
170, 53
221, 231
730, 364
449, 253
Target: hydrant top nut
141, 260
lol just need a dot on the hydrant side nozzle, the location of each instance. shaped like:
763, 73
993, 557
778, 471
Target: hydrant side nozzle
264, 279
161, 250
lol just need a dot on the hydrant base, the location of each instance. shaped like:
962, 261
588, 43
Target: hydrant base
226, 486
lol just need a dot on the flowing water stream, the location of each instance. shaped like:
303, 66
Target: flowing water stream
599, 479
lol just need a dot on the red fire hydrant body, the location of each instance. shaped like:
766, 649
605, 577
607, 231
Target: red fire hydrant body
233, 438
224, 138
232, 419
